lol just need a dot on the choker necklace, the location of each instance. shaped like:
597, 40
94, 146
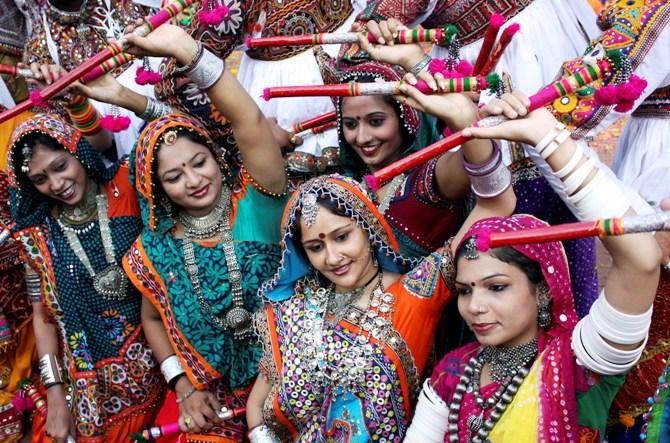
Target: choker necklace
111, 283
339, 302
511, 368
82, 212
217, 222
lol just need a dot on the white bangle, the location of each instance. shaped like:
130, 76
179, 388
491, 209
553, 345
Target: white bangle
577, 178
171, 367
617, 326
571, 164
207, 71
555, 143
430, 422
548, 137
599, 198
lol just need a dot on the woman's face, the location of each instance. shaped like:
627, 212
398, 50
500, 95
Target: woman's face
497, 301
338, 249
57, 174
372, 128
190, 176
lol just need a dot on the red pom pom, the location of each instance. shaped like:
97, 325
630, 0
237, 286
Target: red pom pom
37, 99
115, 123
497, 20
483, 240
512, 29
213, 17
624, 105
372, 182
632, 89
23, 403
437, 65
607, 96
147, 77
464, 68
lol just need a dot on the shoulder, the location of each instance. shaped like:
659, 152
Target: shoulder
121, 194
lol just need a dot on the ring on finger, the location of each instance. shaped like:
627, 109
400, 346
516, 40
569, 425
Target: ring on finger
188, 420
293, 140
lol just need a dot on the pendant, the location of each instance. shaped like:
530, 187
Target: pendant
111, 283
238, 318
475, 422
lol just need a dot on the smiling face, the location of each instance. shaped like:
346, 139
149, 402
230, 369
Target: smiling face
372, 128
497, 301
338, 249
189, 175
57, 174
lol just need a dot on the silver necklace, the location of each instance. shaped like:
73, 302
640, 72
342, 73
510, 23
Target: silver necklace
217, 222
78, 214
111, 283
340, 302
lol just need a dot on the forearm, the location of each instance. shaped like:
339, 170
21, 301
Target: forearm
256, 400
154, 330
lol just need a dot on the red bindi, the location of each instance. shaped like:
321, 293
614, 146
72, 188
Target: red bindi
322, 235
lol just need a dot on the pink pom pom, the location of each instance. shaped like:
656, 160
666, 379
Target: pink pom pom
512, 29
37, 99
115, 123
23, 403
464, 68
247, 42
483, 240
423, 87
632, 89
607, 96
147, 77
266, 94
497, 20
624, 105
437, 65
372, 182
213, 17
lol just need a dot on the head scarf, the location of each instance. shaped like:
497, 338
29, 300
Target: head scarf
30, 207
354, 201
557, 394
143, 165
417, 128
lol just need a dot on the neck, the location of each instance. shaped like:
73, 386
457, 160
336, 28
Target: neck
366, 279
392, 159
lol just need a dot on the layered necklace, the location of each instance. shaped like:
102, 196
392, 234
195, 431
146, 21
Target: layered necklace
509, 367
330, 362
111, 283
217, 222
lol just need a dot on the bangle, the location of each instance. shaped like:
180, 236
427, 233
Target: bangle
490, 178
421, 65
599, 198
33, 287
171, 368
50, 371
570, 165
555, 143
549, 137
155, 109
83, 115
262, 434
207, 70
190, 65
185, 397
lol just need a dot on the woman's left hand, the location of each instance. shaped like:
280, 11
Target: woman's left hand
385, 50
104, 89
164, 41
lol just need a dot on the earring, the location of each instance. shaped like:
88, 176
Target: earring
375, 263
166, 204
543, 312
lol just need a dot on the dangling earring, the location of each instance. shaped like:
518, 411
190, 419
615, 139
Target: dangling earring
166, 204
375, 263
543, 312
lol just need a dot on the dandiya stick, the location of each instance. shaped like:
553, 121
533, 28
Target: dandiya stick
15, 72
495, 23
564, 86
417, 35
313, 122
156, 432
606, 227
150, 23
105, 67
503, 43
316, 130
355, 89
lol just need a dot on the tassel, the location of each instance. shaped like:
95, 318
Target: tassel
622, 95
115, 123
213, 16
145, 76
37, 99
22, 403
483, 240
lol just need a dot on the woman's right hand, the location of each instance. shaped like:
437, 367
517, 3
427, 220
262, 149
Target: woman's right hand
199, 411
385, 50
59, 420
164, 41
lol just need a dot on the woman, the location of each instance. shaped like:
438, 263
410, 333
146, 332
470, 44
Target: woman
209, 240
76, 219
346, 335
536, 373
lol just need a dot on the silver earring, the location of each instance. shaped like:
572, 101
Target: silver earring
471, 251
543, 312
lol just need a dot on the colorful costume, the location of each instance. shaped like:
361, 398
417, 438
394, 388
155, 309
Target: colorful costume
213, 358
559, 400
386, 346
112, 384
13, 32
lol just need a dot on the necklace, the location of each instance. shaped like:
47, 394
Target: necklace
68, 17
512, 365
340, 302
83, 212
385, 201
111, 283
217, 222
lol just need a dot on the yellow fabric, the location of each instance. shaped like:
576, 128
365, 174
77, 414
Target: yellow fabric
6, 131
519, 422
19, 360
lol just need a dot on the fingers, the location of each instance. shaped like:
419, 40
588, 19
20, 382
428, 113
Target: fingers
430, 80
215, 405
387, 34
373, 28
502, 106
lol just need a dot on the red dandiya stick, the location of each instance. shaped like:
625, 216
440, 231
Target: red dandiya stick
150, 23
497, 53
317, 129
118, 60
314, 122
569, 231
16, 72
156, 432
355, 89
495, 23
564, 86
417, 35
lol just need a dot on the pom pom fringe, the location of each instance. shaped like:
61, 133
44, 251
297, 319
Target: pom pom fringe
372, 182
37, 99
114, 123
483, 240
147, 77
213, 17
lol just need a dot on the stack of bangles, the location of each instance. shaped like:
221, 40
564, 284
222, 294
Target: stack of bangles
155, 109
205, 69
262, 434
83, 114
601, 197
490, 178
50, 371
33, 286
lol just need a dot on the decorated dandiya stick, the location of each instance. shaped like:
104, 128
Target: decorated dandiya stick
316, 130
606, 227
495, 22
119, 59
503, 43
29, 390
417, 35
564, 86
150, 23
313, 122
15, 72
156, 432
355, 89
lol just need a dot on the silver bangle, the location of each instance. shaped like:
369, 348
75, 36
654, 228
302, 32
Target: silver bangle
50, 371
421, 65
155, 109
491, 178
262, 434
207, 70
190, 65
33, 287
171, 367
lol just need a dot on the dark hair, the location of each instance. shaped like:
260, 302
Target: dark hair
31, 140
325, 203
511, 256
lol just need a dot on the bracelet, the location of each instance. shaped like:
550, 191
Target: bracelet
262, 434
207, 70
171, 368
577, 178
600, 198
83, 115
570, 165
33, 287
549, 136
421, 65
490, 178
186, 396
193, 62
155, 109
555, 143
50, 371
